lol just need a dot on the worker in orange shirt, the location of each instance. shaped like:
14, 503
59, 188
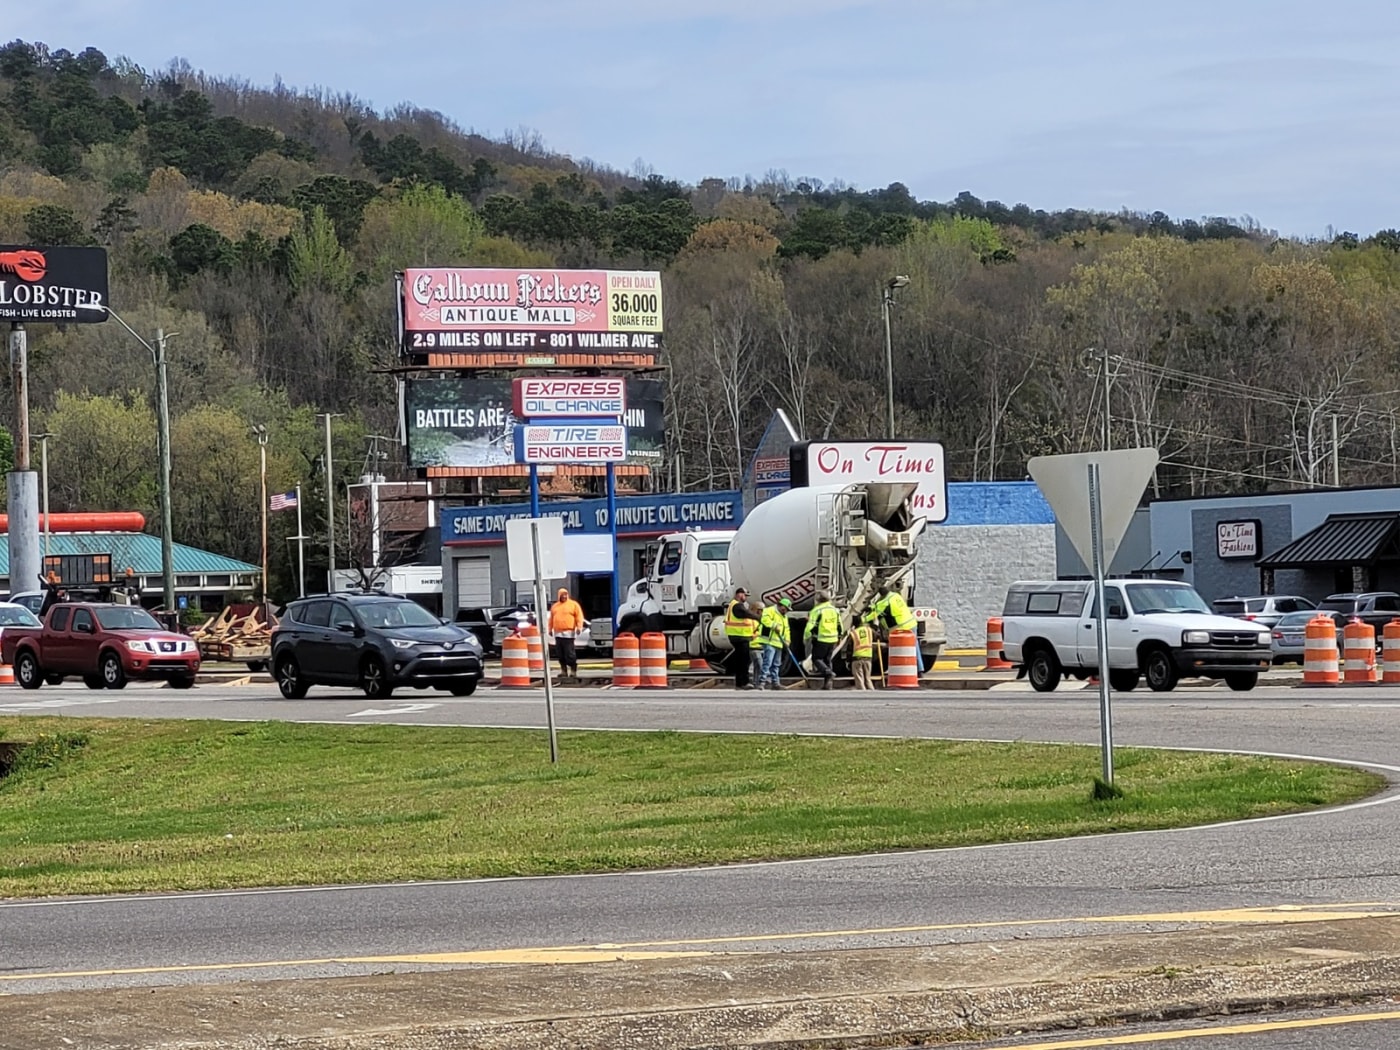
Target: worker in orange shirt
565, 623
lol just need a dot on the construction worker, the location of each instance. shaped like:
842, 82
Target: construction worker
775, 636
740, 627
893, 614
822, 633
565, 623
861, 639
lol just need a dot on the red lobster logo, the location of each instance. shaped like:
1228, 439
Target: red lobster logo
26, 264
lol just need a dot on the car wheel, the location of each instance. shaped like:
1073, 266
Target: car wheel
113, 674
1159, 669
27, 672
94, 681
1123, 681
374, 679
464, 688
289, 680
53, 679
1242, 681
184, 681
1044, 670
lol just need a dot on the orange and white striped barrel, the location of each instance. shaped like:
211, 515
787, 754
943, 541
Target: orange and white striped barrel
1359, 653
903, 670
1390, 652
627, 661
515, 662
532, 639
1320, 665
996, 658
7, 674
653, 662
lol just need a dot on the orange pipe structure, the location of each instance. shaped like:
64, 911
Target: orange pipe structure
97, 521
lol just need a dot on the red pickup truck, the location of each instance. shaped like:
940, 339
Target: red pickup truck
104, 644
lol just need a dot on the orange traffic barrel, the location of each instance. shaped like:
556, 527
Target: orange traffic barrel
1320, 665
1390, 652
1359, 653
532, 639
627, 661
996, 658
903, 672
653, 663
7, 674
515, 662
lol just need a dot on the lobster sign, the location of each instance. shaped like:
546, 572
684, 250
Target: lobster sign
58, 285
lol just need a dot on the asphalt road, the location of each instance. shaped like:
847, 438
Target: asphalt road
1342, 861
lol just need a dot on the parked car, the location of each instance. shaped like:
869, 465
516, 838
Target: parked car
31, 600
481, 621
106, 644
1265, 610
372, 640
1377, 608
518, 617
1289, 634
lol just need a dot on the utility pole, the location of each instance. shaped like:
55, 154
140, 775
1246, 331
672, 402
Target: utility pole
26, 563
886, 304
330, 507
43, 440
1101, 356
1336, 457
260, 432
167, 542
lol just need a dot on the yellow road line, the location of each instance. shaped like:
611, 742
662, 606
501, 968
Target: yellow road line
701, 946
1207, 1033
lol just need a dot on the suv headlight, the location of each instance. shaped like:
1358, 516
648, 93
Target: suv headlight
138, 646
1195, 637
403, 643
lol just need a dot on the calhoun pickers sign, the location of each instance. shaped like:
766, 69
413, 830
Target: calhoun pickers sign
53, 285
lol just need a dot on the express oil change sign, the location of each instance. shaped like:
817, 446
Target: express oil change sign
53, 285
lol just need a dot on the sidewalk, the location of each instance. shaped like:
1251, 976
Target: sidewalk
808, 999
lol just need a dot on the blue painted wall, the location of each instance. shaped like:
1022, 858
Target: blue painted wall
997, 503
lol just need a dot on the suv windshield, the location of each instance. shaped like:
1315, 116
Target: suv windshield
395, 614
126, 618
1165, 598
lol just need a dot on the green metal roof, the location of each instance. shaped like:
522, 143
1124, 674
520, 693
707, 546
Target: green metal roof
139, 550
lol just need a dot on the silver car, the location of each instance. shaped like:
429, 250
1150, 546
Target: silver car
1291, 631
1265, 610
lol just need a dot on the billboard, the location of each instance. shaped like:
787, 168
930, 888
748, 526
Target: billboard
848, 462
54, 285
569, 443
647, 515
467, 424
587, 397
562, 318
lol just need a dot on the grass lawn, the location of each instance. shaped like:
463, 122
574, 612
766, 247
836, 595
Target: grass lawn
100, 806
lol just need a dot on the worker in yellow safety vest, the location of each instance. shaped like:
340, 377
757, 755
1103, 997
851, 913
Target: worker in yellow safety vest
861, 639
774, 637
894, 614
822, 633
740, 626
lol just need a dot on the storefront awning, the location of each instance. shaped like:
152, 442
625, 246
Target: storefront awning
1340, 541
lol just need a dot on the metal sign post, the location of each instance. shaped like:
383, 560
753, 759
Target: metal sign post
540, 615
535, 551
1105, 700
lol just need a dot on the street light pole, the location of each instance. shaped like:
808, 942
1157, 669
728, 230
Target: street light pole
886, 302
330, 507
260, 432
157, 352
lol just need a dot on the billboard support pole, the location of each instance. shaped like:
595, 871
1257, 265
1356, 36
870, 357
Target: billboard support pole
534, 490
26, 563
612, 528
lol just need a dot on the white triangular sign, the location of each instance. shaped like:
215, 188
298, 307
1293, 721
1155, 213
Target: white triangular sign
1064, 481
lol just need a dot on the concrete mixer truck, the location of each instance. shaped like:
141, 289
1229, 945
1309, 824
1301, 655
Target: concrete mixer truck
845, 539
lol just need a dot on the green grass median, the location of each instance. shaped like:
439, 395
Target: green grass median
102, 806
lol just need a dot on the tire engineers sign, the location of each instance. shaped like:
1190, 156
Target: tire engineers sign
570, 443
54, 285
529, 313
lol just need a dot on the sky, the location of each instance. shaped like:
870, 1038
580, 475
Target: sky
1280, 110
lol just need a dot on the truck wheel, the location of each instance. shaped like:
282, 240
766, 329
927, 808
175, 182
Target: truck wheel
113, 674
289, 680
94, 681
183, 681
1160, 670
1123, 681
53, 679
1242, 681
27, 672
1044, 670
633, 625
374, 679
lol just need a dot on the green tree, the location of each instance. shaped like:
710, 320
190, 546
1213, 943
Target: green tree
315, 258
423, 226
54, 224
102, 456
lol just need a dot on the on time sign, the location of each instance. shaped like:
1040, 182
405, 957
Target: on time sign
570, 443
850, 462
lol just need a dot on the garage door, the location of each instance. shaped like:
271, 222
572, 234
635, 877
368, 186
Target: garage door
473, 582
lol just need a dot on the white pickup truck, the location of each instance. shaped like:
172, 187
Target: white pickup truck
1157, 629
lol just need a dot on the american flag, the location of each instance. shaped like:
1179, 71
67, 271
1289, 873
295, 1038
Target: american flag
283, 500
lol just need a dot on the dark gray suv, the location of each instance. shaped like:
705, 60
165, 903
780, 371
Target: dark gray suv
372, 640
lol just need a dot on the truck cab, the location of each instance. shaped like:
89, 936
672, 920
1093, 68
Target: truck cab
687, 582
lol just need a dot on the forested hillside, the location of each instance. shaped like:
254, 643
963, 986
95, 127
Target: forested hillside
263, 225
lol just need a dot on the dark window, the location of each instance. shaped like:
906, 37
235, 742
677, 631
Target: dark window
714, 551
1113, 598
1043, 603
59, 618
1385, 603
317, 614
342, 615
1256, 605
1286, 605
670, 559
82, 620
220, 581
1229, 607
1345, 605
